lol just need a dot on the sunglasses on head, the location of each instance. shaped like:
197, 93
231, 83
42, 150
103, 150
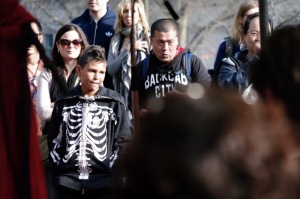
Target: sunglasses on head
66, 43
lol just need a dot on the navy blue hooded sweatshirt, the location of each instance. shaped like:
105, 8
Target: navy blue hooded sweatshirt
99, 33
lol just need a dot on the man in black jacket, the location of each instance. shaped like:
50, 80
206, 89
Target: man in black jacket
169, 66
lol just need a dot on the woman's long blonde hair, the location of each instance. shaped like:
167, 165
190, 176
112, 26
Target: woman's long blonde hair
142, 15
237, 30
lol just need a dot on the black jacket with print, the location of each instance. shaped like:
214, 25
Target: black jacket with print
162, 78
86, 138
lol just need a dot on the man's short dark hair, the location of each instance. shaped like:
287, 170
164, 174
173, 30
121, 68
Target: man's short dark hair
164, 25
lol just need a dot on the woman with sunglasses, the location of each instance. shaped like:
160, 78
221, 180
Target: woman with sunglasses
70, 42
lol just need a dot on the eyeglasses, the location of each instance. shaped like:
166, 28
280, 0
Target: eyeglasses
254, 34
66, 43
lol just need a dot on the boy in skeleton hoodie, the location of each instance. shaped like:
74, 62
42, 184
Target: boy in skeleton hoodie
89, 130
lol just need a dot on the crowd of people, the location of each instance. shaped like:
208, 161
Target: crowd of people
199, 136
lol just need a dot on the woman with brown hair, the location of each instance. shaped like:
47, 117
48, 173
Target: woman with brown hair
70, 42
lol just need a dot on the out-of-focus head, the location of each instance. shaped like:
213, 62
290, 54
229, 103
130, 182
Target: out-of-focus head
164, 39
37, 29
213, 147
70, 42
277, 75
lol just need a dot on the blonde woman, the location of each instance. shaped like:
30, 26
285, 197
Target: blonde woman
119, 62
234, 43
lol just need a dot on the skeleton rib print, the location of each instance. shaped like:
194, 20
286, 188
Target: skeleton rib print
86, 134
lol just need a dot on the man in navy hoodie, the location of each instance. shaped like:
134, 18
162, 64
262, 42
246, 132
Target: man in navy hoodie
97, 22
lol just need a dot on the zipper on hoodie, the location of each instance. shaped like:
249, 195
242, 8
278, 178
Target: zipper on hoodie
82, 188
95, 31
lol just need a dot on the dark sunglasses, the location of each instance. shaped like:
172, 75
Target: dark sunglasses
66, 43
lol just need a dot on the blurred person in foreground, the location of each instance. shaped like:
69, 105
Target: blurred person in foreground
276, 78
214, 147
21, 170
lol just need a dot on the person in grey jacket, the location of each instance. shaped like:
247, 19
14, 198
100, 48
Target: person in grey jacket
119, 56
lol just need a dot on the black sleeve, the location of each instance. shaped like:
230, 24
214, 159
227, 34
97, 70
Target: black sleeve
123, 136
199, 72
54, 127
140, 85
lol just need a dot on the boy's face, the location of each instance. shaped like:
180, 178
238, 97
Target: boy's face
92, 77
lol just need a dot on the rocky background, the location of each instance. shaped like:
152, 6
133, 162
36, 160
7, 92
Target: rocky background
203, 23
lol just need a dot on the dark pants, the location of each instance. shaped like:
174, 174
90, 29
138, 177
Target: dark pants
49, 181
66, 193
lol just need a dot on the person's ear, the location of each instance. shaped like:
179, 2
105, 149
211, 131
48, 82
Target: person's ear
151, 41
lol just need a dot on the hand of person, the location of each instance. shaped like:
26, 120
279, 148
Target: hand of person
141, 45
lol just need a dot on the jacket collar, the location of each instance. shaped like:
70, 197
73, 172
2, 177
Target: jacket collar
102, 93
